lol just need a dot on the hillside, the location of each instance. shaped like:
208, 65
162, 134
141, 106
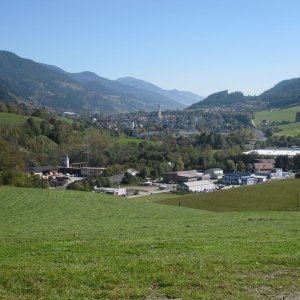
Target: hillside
220, 98
62, 244
36, 84
183, 97
282, 121
251, 198
283, 94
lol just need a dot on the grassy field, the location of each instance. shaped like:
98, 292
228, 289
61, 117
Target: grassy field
75, 245
282, 195
13, 119
292, 129
277, 115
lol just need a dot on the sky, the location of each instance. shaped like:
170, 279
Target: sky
203, 46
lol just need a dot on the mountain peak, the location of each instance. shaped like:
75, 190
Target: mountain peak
183, 97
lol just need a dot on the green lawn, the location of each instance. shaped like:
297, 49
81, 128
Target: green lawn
277, 115
276, 196
75, 245
13, 119
292, 129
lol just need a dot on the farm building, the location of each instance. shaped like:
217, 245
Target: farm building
112, 191
263, 166
259, 178
215, 173
239, 178
182, 176
196, 186
43, 170
273, 174
91, 171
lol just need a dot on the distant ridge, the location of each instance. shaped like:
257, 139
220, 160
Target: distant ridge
183, 97
38, 84
283, 94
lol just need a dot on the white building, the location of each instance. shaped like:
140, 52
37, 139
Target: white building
276, 151
215, 173
113, 191
196, 186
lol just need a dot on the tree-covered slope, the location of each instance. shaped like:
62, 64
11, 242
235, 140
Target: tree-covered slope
183, 97
220, 98
284, 93
37, 84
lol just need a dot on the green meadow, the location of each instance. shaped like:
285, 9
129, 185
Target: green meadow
283, 195
278, 115
74, 245
13, 119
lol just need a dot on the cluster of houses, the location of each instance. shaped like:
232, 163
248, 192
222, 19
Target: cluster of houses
212, 179
194, 181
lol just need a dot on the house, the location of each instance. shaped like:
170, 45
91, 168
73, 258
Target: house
181, 176
203, 176
263, 166
112, 191
43, 170
91, 171
239, 178
215, 173
196, 186
273, 174
259, 178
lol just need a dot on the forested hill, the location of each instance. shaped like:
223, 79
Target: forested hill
220, 98
36, 84
283, 94
183, 97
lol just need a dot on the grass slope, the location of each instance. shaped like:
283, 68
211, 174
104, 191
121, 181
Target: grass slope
280, 195
277, 115
13, 119
72, 245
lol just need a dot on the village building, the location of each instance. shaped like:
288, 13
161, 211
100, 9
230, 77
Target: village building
112, 191
239, 178
91, 171
181, 176
196, 186
215, 173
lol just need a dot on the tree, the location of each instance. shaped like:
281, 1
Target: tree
229, 166
145, 172
127, 178
179, 164
240, 166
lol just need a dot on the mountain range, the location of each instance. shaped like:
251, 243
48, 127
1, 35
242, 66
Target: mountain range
283, 94
38, 84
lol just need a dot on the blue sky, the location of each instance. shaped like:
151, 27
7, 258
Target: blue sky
203, 46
